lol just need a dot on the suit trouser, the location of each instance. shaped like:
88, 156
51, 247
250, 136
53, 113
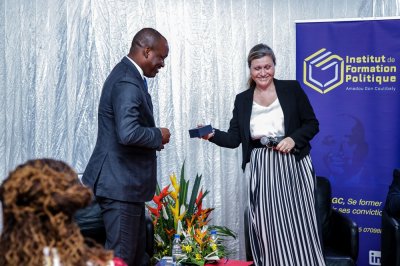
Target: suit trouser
126, 230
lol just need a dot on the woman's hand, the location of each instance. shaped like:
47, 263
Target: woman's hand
286, 145
206, 137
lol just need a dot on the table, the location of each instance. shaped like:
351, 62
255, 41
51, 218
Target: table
224, 262
221, 262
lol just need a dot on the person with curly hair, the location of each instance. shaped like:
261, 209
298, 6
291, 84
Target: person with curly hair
40, 198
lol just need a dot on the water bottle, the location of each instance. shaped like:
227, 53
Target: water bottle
176, 249
213, 242
214, 236
56, 257
46, 257
51, 257
213, 239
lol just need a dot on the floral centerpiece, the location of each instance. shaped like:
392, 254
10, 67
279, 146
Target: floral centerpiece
173, 214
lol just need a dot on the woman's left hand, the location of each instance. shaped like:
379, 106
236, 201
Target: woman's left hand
286, 145
208, 136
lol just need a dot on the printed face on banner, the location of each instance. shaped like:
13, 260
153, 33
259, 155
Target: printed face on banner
344, 150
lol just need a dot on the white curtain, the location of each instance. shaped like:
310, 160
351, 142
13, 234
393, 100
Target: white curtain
56, 54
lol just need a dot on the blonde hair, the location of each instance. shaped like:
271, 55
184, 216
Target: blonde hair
258, 51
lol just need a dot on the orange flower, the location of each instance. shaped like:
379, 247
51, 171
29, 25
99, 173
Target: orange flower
170, 232
189, 223
199, 237
203, 216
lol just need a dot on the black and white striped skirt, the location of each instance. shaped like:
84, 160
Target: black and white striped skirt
282, 219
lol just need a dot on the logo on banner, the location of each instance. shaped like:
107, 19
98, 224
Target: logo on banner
323, 71
374, 257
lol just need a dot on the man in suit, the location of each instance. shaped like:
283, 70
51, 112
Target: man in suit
122, 170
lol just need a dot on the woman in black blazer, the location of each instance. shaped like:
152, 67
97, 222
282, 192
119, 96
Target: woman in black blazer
274, 121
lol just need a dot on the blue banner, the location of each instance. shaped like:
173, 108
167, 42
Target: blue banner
351, 72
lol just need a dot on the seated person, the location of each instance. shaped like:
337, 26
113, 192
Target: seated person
40, 198
393, 197
91, 223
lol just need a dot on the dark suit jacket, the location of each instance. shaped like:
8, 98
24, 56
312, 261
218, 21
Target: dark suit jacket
392, 204
123, 164
300, 121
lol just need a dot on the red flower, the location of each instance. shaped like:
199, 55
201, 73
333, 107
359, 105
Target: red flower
154, 211
199, 202
158, 198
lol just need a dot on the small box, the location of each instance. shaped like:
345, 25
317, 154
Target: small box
200, 131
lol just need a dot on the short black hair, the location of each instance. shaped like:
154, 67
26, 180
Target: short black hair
146, 37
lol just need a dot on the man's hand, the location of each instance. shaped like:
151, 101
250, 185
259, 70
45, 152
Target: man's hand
165, 135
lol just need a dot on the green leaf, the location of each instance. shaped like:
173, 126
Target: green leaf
223, 231
158, 190
183, 187
195, 191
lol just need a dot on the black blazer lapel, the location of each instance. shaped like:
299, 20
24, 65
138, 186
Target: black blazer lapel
247, 105
284, 98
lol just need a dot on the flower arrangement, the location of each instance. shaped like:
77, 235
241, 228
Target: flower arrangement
173, 214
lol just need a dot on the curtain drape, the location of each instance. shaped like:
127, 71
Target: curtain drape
56, 54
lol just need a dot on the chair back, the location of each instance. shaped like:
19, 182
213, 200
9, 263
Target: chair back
390, 240
390, 236
323, 204
338, 232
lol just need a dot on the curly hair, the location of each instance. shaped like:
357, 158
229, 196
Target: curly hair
39, 200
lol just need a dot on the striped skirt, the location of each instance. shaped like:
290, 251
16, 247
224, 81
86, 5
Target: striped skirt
282, 219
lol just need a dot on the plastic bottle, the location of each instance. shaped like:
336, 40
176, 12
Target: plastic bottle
213, 241
56, 257
176, 249
214, 236
46, 257
51, 257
